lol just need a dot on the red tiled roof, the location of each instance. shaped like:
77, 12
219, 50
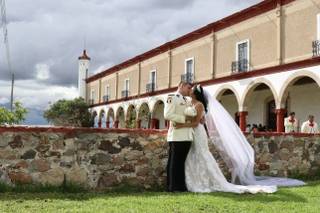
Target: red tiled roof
84, 56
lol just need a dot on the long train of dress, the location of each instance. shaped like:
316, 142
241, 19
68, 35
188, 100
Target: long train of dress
235, 149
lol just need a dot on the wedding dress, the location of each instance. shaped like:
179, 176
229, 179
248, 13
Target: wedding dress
201, 169
203, 173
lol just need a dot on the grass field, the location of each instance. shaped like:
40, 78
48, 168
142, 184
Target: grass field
298, 199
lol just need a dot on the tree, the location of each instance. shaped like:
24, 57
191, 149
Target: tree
69, 113
15, 117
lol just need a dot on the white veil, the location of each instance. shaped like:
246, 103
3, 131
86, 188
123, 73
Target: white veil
234, 148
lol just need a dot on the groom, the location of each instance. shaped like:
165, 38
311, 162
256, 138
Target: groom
179, 139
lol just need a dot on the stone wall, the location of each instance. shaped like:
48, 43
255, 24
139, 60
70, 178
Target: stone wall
100, 158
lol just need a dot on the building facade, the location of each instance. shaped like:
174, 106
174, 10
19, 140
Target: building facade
260, 63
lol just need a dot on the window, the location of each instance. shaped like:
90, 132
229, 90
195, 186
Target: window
125, 92
126, 85
189, 66
153, 77
316, 43
189, 70
242, 56
92, 96
106, 96
107, 90
151, 86
318, 26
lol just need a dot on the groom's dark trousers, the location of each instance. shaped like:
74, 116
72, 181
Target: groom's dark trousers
178, 151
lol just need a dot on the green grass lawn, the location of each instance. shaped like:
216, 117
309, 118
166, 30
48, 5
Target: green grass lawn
298, 199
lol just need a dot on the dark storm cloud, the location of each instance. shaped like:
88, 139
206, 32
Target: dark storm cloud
51, 34
46, 37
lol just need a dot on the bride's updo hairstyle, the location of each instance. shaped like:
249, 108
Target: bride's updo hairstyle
198, 93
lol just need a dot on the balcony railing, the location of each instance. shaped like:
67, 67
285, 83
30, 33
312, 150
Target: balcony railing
240, 66
187, 77
105, 98
125, 93
151, 87
316, 48
90, 101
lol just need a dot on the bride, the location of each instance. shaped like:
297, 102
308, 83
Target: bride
201, 169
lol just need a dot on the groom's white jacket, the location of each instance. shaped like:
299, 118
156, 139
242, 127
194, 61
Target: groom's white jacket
175, 110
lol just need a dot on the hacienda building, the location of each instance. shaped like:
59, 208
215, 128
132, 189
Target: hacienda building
260, 63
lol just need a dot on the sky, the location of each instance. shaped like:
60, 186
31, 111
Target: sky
46, 38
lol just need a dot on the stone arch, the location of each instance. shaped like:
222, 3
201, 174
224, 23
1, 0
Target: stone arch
259, 101
110, 118
252, 86
153, 102
131, 116
142, 105
229, 98
102, 118
94, 113
95, 118
144, 116
293, 79
301, 94
221, 90
120, 117
157, 115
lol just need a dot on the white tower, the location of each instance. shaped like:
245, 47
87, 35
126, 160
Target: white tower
83, 73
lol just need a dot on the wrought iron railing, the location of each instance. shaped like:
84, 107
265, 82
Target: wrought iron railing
90, 101
125, 93
187, 77
105, 98
316, 48
151, 87
240, 66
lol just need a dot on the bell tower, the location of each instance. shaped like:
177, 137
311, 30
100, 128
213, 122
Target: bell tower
84, 62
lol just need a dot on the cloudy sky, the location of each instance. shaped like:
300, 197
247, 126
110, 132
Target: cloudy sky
46, 37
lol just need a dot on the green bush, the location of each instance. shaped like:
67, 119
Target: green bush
69, 113
15, 117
